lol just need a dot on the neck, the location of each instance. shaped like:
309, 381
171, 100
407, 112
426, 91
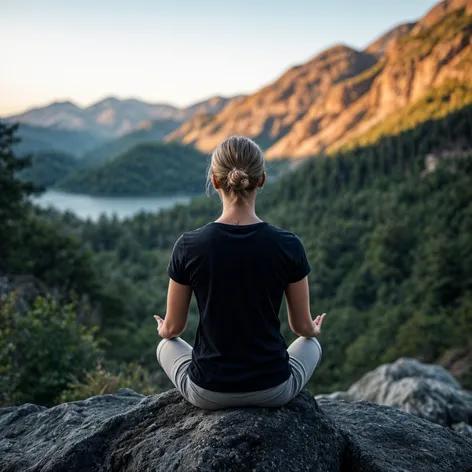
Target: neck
239, 213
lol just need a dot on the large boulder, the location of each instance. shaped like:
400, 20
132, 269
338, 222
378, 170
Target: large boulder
427, 391
131, 432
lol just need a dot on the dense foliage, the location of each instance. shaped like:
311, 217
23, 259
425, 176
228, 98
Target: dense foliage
47, 344
146, 169
389, 243
48, 167
13, 191
42, 350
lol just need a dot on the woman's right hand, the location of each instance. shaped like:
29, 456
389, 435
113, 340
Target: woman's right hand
160, 322
317, 324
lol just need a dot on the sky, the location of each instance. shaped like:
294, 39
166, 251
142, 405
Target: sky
173, 51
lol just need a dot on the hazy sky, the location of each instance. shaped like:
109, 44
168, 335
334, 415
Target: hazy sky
176, 51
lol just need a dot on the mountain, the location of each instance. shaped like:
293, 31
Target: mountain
436, 104
116, 117
48, 167
340, 94
440, 10
65, 115
146, 169
411, 66
39, 138
112, 117
379, 46
206, 107
146, 131
270, 113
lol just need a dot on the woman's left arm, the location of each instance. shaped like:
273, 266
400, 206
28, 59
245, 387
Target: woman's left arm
178, 302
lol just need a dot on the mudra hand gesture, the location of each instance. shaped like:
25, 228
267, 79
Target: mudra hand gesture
317, 323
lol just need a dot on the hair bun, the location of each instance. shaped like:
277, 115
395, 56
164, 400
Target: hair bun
237, 180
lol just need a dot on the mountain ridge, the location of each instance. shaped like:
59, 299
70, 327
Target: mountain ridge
312, 108
268, 114
302, 113
111, 117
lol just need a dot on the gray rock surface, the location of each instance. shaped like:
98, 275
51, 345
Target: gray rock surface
463, 428
131, 432
427, 391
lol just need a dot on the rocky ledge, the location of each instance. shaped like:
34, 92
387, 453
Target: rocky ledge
132, 432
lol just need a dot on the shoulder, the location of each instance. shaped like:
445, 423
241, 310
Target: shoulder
195, 235
284, 235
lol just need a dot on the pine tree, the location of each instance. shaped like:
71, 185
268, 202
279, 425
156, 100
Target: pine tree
13, 191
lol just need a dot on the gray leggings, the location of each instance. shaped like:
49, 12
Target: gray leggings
175, 355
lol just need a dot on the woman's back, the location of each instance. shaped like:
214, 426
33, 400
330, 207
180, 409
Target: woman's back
239, 274
239, 268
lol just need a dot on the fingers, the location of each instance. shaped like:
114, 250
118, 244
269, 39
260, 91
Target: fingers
321, 318
318, 322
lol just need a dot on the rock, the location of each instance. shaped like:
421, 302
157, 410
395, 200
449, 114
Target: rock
427, 391
131, 432
463, 428
336, 396
384, 439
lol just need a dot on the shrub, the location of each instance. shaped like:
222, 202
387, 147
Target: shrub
102, 381
41, 350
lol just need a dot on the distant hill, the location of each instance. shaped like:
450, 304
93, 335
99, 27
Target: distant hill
146, 169
112, 117
342, 93
37, 138
48, 167
146, 132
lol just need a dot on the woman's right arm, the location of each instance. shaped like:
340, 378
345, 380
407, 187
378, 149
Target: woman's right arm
299, 315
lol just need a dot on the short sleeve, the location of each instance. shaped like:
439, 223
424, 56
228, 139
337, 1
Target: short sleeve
177, 268
300, 266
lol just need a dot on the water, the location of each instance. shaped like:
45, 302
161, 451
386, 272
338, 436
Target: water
85, 206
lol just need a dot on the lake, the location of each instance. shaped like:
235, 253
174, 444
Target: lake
85, 206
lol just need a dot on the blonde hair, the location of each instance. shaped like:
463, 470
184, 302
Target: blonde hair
238, 166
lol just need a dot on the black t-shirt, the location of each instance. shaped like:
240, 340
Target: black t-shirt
239, 275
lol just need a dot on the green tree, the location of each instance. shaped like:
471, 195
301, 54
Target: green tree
42, 350
14, 192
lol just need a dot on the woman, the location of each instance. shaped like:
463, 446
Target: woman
239, 268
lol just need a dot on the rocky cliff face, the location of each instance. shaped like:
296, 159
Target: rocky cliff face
380, 45
342, 93
272, 112
131, 432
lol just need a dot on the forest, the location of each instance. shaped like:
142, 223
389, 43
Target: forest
146, 169
386, 227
